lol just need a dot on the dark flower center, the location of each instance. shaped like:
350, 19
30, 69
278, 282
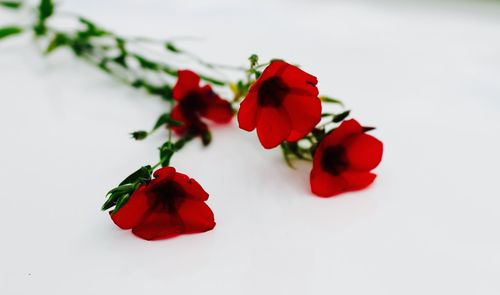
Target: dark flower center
192, 102
334, 160
166, 196
272, 92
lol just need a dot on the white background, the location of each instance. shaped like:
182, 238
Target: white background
426, 73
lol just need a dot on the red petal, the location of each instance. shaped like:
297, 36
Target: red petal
364, 152
159, 225
299, 81
165, 172
275, 68
273, 126
248, 112
218, 109
196, 216
178, 115
324, 184
346, 129
357, 180
187, 81
304, 112
191, 187
133, 211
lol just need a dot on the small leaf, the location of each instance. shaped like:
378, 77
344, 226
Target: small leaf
57, 41
141, 176
171, 47
340, 117
139, 135
146, 63
212, 80
167, 150
122, 201
10, 31
11, 4
166, 119
45, 9
331, 100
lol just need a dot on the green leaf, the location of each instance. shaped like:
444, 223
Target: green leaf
45, 10
124, 188
11, 4
167, 150
142, 175
166, 119
139, 135
171, 47
340, 117
10, 31
122, 201
331, 100
57, 41
212, 80
146, 63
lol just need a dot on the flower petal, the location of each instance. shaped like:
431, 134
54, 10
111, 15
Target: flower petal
247, 114
133, 211
324, 184
187, 81
178, 116
346, 129
191, 187
357, 180
273, 126
304, 112
364, 152
217, 109
165, 172
159, 225
196, 216
299, 81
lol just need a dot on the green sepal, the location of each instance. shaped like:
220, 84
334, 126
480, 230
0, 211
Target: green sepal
57, 41
368, 129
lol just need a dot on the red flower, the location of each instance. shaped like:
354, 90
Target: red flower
169, 205
343, 160
195, 102
283, 104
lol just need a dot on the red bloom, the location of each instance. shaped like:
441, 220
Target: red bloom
195, 102
169, 205
283, 104
343, 160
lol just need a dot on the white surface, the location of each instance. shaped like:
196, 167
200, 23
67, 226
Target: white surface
427, 75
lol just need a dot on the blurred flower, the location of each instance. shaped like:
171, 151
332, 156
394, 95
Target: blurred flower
194, 102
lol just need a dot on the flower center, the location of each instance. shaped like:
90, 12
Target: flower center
272, 92
166, 196
334, 160
192, 102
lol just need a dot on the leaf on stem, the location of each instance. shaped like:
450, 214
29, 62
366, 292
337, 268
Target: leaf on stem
10, 31
340, 117
11, 4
